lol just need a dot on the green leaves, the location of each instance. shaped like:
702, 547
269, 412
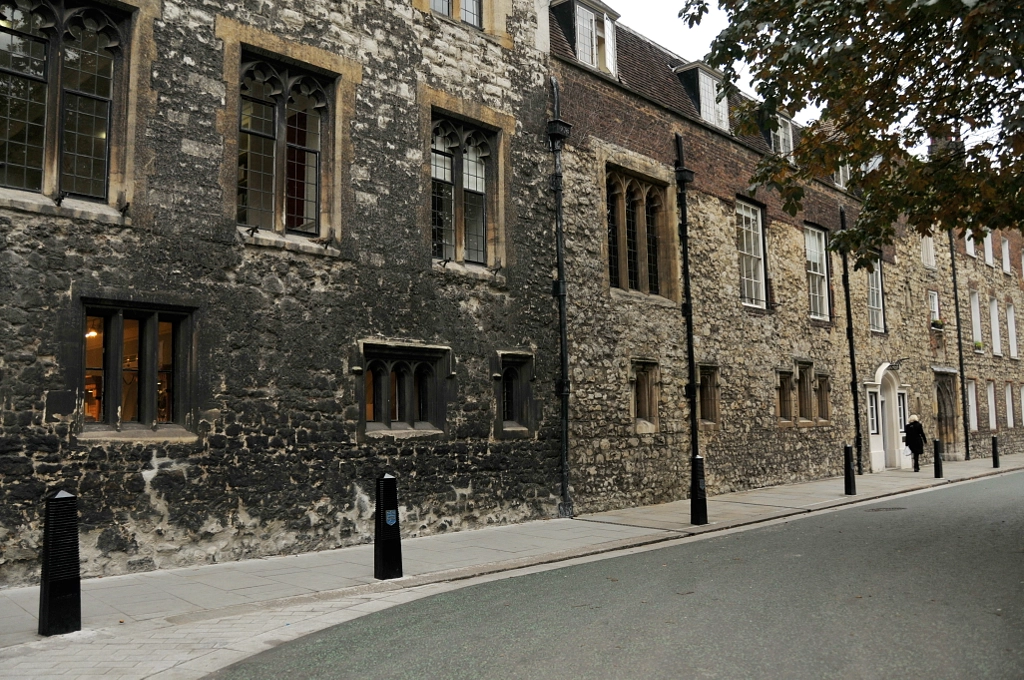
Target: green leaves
889, 77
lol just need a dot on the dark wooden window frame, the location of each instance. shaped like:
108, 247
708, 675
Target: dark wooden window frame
114, 313
426, 367
709, 396
651, 245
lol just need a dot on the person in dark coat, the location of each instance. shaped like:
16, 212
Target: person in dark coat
915, 439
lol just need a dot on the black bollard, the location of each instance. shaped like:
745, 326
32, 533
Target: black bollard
995, 452
60, 592
387, 541
851, 480
938, 459
698, 494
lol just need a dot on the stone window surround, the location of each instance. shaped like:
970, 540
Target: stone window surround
123, 132
523, 362
712, 369
802, 368
433, 104
337, 193
643, 169
495, 15
443, 363
645, 373
179, 431
647, 191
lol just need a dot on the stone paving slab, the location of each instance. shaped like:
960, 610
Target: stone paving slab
186, 623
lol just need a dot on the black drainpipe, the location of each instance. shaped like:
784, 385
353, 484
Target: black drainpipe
854, 387
960, 349
558, 132
683, 178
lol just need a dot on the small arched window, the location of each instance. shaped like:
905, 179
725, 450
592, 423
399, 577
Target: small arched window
401, 390
282, 125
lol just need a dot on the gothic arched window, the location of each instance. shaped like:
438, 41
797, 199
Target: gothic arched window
59, 71
283, 116
460, 192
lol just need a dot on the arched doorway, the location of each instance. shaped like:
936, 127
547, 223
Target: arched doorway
887, 419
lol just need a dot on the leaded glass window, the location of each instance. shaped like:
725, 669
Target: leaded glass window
635, 234
460, 179
283, 113
58, 69
472, 12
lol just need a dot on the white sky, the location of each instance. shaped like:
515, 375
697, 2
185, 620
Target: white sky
659, 21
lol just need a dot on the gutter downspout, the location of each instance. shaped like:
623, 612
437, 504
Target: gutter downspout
960, 349
854, 386
683, 178
558, 132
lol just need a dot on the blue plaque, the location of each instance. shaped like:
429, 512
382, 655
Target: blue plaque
391, 517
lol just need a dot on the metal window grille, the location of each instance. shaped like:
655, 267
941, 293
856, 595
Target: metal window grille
586, 36
751, 255
613, 238
651, 216
876, 310
632, 241
817, 272
472, 12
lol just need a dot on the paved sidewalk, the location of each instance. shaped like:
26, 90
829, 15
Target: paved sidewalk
185, 623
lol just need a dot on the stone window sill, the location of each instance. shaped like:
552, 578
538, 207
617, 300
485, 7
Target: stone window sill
513, 430
657, 300
71, 207
825, 324
478, 272
754, 310
786, 424
644, 426
708, 426
292, 242
135, 433
404, 434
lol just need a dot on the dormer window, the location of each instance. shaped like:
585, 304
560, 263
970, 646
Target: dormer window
713, 109
704, 87
842, 176
782, 138
590, 29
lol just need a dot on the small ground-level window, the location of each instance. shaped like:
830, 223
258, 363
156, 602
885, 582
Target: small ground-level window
134, 365
513, 394
402, 387
645, 396
805, 392
821, 392
784, 396
709, 397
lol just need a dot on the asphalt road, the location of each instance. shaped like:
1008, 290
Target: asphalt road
929, 585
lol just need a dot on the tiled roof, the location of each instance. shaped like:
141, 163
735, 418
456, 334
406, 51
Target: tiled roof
646, 68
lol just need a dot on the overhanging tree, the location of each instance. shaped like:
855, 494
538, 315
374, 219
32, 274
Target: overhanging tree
888, 78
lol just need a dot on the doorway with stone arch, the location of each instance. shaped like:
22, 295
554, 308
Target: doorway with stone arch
888, 410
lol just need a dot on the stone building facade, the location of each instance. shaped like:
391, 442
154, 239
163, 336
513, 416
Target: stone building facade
253, 257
